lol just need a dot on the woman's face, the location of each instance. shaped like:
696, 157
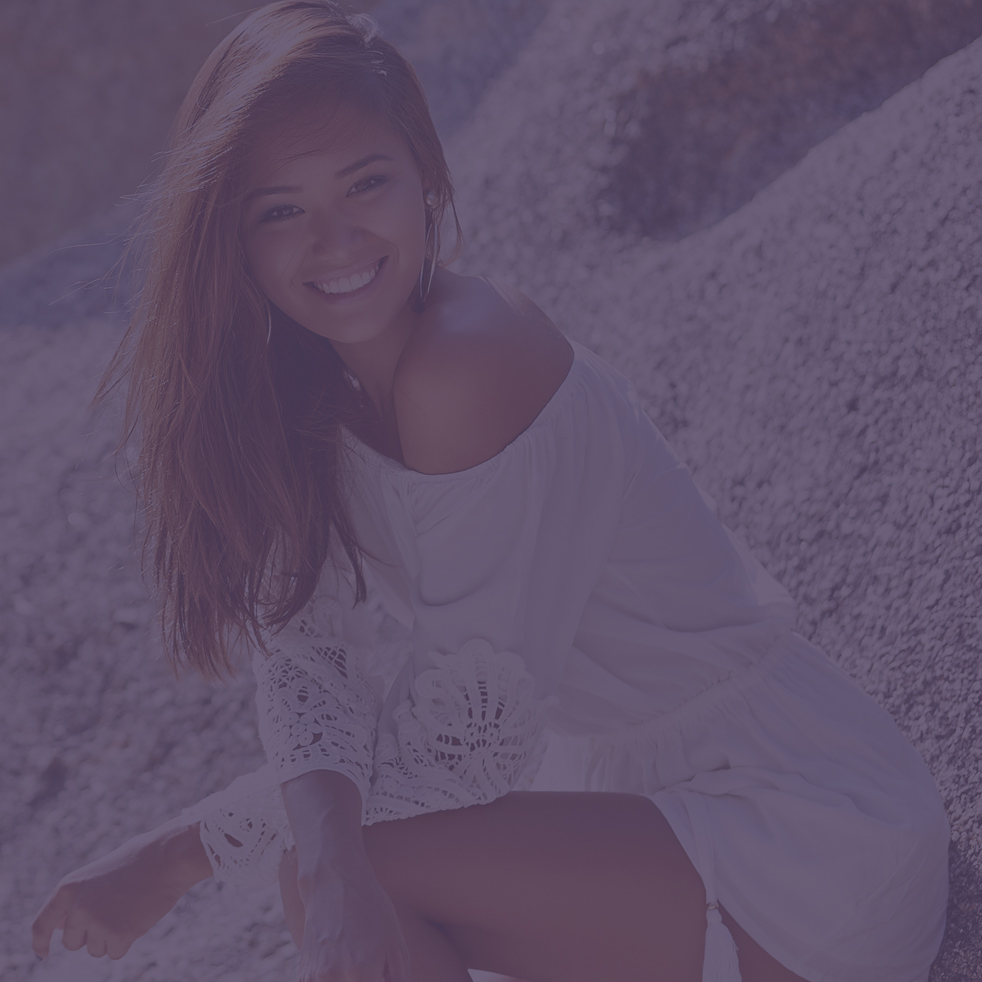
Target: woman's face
333, 224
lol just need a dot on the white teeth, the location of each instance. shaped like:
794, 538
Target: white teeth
345, 284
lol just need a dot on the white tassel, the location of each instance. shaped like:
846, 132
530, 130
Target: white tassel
720, 963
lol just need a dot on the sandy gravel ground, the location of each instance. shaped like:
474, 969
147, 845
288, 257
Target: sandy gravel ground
814, 357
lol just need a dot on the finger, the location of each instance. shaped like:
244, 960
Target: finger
73, 936
117, 946
50, 918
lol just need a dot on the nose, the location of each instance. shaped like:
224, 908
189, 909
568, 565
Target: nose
334, 235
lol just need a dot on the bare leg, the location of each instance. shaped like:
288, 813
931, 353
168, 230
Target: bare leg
551, 887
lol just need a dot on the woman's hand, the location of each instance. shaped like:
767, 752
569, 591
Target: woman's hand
109, 903
351, 931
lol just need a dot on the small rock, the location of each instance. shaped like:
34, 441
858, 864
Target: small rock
23, 606
127, 616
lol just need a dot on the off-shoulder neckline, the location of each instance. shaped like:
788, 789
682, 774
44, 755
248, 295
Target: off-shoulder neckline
548, 410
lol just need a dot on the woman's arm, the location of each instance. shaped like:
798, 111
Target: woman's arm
184, 853
108, 904
351, 929
324, 808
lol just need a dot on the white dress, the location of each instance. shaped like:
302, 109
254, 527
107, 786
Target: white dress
575, 617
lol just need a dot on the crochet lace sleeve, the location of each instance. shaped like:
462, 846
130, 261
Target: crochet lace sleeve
318, 708
244, 829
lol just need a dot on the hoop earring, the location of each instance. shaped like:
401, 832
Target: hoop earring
434, 227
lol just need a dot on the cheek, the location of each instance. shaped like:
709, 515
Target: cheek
411, 227
267, 258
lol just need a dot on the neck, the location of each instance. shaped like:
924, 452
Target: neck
373, 363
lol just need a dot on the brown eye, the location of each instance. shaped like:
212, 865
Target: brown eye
279, 212
368, 184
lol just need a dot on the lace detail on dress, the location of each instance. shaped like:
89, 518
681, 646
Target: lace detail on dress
244, 829
317, 709
470, 733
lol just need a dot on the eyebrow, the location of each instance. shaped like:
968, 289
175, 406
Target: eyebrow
293, 189
358, 164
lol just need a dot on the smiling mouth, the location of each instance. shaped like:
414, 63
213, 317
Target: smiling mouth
346, 285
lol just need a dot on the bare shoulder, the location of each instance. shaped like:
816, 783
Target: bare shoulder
483, 363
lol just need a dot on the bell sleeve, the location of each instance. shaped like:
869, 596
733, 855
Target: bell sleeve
318, 707
244, 829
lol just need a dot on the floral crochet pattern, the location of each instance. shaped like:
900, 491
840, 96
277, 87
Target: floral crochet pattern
317, 709
244, 829
470, 733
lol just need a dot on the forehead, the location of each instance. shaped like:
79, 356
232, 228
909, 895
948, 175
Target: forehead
322, 129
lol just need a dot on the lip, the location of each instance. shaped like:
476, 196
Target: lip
342, 297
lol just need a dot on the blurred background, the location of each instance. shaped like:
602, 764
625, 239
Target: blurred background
88, 89
88, 92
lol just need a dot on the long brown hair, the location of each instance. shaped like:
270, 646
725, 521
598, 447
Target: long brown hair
240, 449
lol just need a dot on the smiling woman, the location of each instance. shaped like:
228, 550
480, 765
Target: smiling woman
597, 749
334, 230
237, 337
